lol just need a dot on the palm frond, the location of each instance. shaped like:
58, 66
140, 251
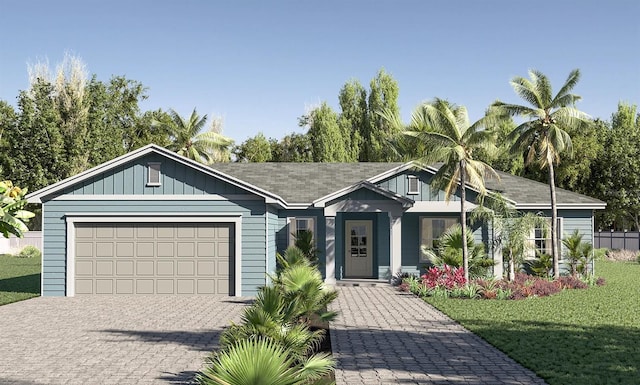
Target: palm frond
569, 84
542, 87
526, 90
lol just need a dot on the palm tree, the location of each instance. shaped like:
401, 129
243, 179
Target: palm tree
542, 136
447, 136
187, 140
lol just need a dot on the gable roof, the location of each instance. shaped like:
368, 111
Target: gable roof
303, 184
36, 196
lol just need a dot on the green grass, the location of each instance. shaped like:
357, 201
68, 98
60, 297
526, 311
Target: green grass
587, 336
19, 278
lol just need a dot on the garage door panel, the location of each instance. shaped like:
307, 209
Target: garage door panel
102, 267
186, 268
144, 267
164, 268
124, 286
158, 258
166, 249
124, 268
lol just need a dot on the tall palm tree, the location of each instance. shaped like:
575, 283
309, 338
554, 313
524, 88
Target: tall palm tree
447, 136
542, 136
188, 140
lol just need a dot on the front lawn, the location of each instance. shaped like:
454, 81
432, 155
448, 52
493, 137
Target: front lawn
19, 278
575, 337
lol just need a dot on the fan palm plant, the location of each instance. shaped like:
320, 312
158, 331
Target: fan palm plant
263, 362
188, 140
542, 136
448, 137
449, 252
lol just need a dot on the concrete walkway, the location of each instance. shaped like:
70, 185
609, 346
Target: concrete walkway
383, 336
111, 340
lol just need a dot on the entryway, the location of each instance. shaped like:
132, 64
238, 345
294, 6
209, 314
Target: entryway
358, 249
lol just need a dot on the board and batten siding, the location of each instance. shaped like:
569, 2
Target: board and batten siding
399, 184
253, 233
131, 179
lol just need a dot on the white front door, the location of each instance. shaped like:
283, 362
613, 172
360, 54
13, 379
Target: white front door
359, 249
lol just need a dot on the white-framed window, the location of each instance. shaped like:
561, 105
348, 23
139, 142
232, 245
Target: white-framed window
431, 229
413, 185
540, 239
153, 174
299, 224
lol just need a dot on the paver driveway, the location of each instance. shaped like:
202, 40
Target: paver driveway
383, 336
110, 340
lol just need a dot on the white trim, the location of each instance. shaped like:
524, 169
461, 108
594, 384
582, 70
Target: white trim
561, 206
440, 207
36, 197
395, 222
73, 218
42, 217
365, 206
161, 197
321, 202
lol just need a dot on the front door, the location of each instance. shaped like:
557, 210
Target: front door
359, 249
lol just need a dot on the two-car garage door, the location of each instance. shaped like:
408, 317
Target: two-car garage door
154, 258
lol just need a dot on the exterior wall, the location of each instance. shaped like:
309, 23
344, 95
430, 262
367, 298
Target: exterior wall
411, 238
131, 178
253, 233
399, 185
282, 232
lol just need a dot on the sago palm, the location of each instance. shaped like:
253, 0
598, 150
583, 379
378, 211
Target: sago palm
448, 137
542, 136
188, 140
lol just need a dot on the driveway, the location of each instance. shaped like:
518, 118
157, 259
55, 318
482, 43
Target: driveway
383, 336
111, 340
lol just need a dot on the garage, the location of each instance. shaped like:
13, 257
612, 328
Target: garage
154, 258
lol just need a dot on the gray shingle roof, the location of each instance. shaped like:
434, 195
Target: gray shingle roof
306, 182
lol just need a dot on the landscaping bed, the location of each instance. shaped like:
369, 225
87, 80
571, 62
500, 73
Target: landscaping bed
589, 336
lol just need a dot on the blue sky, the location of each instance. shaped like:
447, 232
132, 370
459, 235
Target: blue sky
262, 64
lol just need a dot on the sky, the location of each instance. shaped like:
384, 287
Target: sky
262, 64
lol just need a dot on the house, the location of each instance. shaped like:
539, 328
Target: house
153, 222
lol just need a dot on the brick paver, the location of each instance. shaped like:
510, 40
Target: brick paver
383, 336
110, 340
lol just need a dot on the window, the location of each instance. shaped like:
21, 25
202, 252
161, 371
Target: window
413, 185
540, 239
297, 225
431, 229
153, 174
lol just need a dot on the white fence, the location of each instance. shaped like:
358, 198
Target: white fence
15, 244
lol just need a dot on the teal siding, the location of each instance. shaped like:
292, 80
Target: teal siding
131, 179
253, 233
399, 185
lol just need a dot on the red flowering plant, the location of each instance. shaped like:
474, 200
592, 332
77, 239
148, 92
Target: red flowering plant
446, 277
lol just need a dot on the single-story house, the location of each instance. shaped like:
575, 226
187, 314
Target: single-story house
153, 222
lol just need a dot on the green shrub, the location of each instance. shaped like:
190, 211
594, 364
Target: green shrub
29, 252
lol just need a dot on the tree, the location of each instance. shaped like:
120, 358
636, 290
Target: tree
353, 103
256, 149
615, 171
383, 96
542, 137
188, 141
448, 137
328, 140
292, 148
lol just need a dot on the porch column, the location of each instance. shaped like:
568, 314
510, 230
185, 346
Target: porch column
330, 251
395, 222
